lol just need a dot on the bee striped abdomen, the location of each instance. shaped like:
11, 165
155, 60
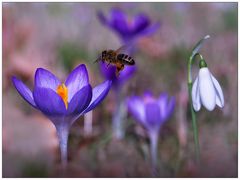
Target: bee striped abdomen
126, 59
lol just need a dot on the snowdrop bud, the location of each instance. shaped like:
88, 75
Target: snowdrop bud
202, 63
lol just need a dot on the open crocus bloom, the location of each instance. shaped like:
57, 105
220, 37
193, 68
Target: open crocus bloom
150, 112
206, 91
63, 103
140, 25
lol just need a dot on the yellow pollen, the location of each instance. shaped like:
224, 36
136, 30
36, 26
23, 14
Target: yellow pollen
63, 92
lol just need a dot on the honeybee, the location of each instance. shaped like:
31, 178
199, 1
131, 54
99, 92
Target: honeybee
116, 58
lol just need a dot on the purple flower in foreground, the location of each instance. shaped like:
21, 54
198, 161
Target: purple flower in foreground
127, 31
151, 113
63, 103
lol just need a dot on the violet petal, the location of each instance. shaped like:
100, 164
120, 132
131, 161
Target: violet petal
98, 94
80, 101
140, 23
76, 80
45, 79
24, 91
153, 117
119, 22
136, 107
49, 102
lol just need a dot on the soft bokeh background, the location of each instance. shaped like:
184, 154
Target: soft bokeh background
59, 36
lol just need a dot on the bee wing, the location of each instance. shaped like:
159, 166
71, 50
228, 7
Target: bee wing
123, 48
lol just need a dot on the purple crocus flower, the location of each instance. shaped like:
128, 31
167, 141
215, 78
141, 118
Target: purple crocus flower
128, 30
151, 113
63, 103
109, 73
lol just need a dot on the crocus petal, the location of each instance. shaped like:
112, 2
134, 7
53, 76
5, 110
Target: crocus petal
206, 88
98, 94
49, 102
76, 80
170, 107
153, 117
127, 73
149, 30
102, 18
140, 23
148, 94
196, 95
136, 107
163, 105
24, 91
80, 101
109, 72
219, 93
118, 22
45, 79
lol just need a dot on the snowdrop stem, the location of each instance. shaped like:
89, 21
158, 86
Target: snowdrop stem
62, 132
193, 114
195, 52
194, 124
190, 62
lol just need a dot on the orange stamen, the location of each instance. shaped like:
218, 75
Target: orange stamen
63, 92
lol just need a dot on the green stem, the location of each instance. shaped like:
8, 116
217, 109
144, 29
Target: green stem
193, 114
194, 124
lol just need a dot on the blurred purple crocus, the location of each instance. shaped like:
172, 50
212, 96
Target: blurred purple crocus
151, 113
63, 103
109, 73
127, 30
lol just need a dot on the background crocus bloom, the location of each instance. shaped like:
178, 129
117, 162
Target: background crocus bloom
151, 112
63, 103
128, 30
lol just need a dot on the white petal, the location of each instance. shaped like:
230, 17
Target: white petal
219, 93
207, 90
196, 96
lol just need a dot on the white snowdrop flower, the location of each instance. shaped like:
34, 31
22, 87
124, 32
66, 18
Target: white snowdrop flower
206, 90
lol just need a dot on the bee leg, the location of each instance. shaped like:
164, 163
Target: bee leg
122, 67
117, 72
98, 59
119, 68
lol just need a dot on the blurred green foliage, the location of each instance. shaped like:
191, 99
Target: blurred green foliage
230, 18
70, 53
34, 169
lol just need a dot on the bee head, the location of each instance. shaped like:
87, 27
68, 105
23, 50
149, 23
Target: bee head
104, 52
